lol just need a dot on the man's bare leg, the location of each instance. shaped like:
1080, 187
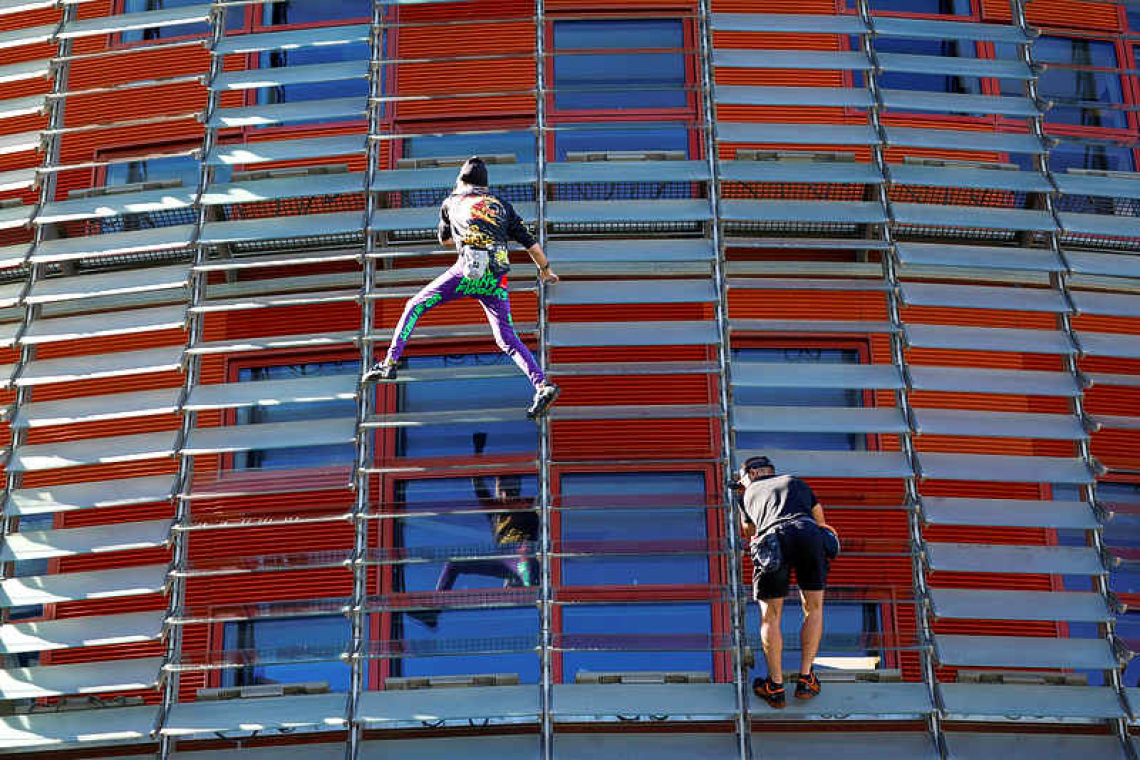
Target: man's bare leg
811, 633
771, 639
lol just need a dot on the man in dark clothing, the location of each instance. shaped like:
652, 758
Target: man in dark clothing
785, 509
514, 528
481, 226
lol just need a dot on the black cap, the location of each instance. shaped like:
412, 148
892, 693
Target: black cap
754, 463
474, 172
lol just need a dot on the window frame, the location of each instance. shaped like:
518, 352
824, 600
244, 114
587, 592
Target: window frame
379, 669
862, 347
685, 593
116, 41
688, 113
251, 61
257, 25
1127, 81
237, 362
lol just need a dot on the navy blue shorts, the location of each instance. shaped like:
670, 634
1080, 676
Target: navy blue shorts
801, 543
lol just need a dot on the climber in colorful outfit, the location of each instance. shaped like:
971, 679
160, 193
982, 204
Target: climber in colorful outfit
481, 226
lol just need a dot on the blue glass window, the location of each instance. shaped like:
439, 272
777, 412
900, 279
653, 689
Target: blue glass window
293, 639
1082, 96
310, 12
932, 7
898, 80
795, 396
235, 19
454, 394
296, 458
638, 637
664, 506
850, 631
292, 93
640, 137
622, 79
520, 144
184, 168
1122, 534
31, 567
501, 634
1100, 156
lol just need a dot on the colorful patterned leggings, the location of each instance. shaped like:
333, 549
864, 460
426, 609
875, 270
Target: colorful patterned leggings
491, 292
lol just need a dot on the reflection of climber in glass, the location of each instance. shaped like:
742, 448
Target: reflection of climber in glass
513, 532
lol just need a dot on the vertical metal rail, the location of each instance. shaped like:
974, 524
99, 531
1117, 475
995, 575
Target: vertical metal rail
546, 592
732, 526
61, 67
358, 659
902, 395
1076, 403
192, 364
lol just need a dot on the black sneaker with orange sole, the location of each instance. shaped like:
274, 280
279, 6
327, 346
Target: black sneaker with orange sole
807, 686
769, 691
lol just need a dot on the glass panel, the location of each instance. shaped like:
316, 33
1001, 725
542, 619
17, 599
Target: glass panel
309, 12
296, 458
668, 636
1102, 157
454, 394
641, 137
926, 7
520, 144
184, 168
314, 90
1122, 535
33, 566
505, 541
1074, 86
849, 634
794, 396
235, 19
296, 638
496, 639
594, 530
898, 80
593, 81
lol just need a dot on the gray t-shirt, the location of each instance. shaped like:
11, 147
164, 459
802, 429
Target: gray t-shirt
772, 500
